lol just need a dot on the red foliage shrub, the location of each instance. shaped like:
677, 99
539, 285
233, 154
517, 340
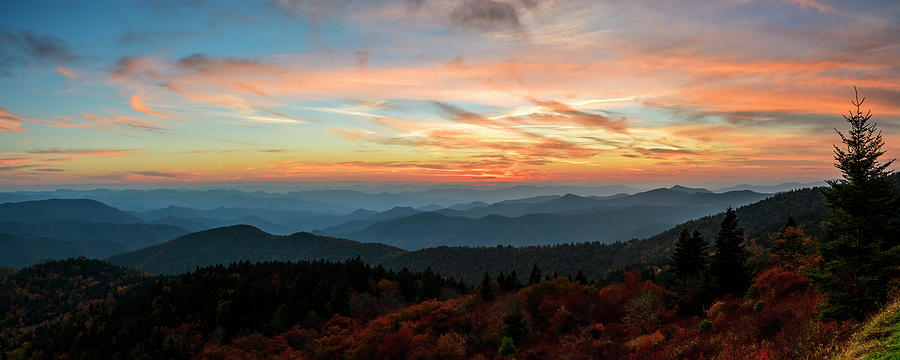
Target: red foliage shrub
778, 282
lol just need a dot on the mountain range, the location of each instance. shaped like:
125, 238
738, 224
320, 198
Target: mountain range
455, 239
596, 259
545, 220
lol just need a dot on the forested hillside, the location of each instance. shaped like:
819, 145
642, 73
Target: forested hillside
88, 309
18, 251
246, 243
354, 311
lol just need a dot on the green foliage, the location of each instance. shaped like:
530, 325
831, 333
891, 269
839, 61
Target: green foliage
507, 347
705, 325
861, 253
878, 338
759, 305
515, 326
730, 270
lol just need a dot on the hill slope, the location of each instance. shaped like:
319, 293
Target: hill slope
243, 242
74, 210
18, 252
608, 225
596, 259
130, 236
878, 338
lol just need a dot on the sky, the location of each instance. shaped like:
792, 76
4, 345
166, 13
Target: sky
193, 92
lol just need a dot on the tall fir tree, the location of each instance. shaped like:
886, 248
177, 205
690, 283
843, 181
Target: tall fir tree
487, 288
861, 250
689, 256
688, 264
535, 276
730, 269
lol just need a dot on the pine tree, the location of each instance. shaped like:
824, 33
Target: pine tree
729, 269
535, 276
689, 267
689, 257
860, 254
487, 288
581, 278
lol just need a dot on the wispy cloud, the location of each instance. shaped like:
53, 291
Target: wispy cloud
68, 73
10, 122
85, 152
124, 121
137, 104
24, 47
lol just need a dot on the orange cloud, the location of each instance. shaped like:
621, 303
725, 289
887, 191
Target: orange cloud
138, 105
85, 152
66, 72
10, 122
125, 121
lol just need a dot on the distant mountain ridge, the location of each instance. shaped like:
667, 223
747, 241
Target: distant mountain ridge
788, 186
130, 236
74, 210
332, 202
61, 228
761, 219
20, 252
546, 220
244, 242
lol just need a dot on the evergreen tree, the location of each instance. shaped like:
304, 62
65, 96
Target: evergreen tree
511, 282
535, 276
515, 326
860, 254
688, 264
581, 278
729, 269
487, 288
689, 256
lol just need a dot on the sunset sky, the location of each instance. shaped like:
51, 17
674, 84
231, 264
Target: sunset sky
424, 91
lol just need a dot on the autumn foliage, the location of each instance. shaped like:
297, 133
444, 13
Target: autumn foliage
562, 319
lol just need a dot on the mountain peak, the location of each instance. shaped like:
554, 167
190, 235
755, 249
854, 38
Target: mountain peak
689, 190
570, 196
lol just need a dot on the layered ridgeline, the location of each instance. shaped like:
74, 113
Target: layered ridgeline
311, 201
226, 245
546, 220
61, 228
283, 214
19, 252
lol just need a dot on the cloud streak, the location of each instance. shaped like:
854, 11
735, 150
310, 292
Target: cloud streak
24, 47
137, 104
10, 122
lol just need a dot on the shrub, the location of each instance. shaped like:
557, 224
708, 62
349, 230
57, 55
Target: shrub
506, 346
759, 305
705, 325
